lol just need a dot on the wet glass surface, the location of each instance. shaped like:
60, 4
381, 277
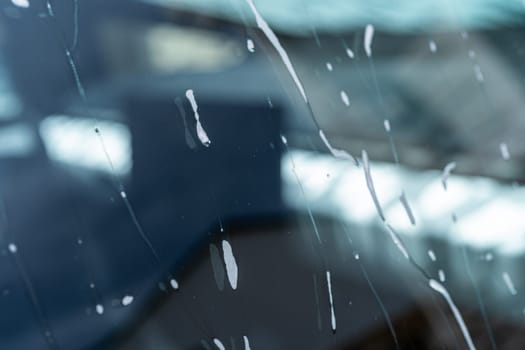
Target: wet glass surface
245, 174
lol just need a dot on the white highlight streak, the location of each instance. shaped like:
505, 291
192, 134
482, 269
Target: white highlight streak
432, 255
231, 265
369, 35
261, 23
203, 137
246, 343
338, 153
386, 123
370, 185
446, 173
344, 98
332, 313
250, 45
441, 275
504, 150
218, 344
438, 287
509, 283
397, 242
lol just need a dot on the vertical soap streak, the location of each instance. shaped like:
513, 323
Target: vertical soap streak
408, 210
218, 344
369, 36
217, 266
201, 133
504, 150
441, 275
446, 173
344, 98
338, 153
250, 45
509, 283
397, 241
370, 185
261, 23
431, 255
246, 343
438, 287
331, 299
230, 263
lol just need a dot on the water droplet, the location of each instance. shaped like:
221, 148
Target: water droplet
344, 98
250, 45
128, 299
13, 248
432, 46
174, 284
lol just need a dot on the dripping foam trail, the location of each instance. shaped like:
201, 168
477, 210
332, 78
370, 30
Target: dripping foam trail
438, 287
274, 40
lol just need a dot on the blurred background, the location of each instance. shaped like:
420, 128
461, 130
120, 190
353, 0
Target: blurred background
164, 184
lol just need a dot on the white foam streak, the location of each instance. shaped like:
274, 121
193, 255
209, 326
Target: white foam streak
338, 153
231, 265
250, 45
369, 36
261, 23
504, 150
432, 255
201, 133
331, 299
344, 98
218, 344
397, 241
509, 283
246, 343
446, 173
438, 287
370, 184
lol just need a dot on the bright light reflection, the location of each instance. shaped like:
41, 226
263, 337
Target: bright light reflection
489, 213
73, 140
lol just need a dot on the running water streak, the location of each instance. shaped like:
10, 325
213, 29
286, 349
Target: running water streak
438, 287
331, 299
370, 185
261, 23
